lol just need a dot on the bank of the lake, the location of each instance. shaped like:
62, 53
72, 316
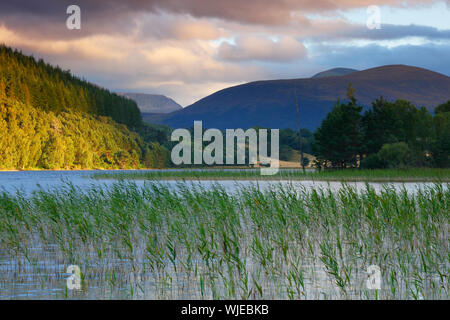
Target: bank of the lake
385, 175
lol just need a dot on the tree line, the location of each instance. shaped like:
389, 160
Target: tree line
387, 135
34, 82
53, 120
31, 139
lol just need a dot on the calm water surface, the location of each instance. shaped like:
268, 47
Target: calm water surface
29, 181
46, 277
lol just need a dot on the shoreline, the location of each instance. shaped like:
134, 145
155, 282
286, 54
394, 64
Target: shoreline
70, 170
280, 179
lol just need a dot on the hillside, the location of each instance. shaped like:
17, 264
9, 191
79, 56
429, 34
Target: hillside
32, 138
49, 88
334, 72
153, 103
50, 119
272, 103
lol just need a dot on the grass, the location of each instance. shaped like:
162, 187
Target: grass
386, 175
188, 242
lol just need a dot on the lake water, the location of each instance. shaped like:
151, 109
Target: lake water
29, 181
45, 278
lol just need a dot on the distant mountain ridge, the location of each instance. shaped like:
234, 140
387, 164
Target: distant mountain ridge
334, 72
153, 103
271, 103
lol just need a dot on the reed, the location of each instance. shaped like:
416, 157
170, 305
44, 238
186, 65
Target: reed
162, 241
382, 175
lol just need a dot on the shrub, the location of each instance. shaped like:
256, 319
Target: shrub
372, 161
395, 155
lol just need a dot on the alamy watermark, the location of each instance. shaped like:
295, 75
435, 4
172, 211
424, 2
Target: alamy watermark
373, 20
373, 281
74, 19
73, 282
236, 140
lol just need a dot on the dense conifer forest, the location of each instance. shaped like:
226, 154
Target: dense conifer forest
49, 88
52, 120
32, 138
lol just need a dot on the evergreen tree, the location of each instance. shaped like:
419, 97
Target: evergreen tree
339, 138
52, 89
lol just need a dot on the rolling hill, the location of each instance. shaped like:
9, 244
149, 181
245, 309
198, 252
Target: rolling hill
272, 103
334, 72
153, 103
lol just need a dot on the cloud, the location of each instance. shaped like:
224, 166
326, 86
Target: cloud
386, 32
183, 70
118, 16
262, 49
189, 48
196, 30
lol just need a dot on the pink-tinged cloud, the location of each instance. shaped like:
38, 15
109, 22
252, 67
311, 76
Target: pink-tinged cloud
110, 12
269, 12
189, 48
262, 49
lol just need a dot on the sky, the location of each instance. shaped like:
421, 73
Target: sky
188, 49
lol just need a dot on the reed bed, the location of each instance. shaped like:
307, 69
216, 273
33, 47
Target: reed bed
187, 242
348, 175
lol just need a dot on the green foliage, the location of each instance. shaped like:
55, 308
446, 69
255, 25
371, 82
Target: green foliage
31, 138
289, 137
372, 161
49, 88
440, 147
386, 122
51, 119
163, 241
399, 121
395, 155
285, 152
380, 175
442, 108
156, 133
156, 156
339, 138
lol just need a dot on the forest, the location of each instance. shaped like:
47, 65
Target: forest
388, 135
32, 139
43, 86
50, 119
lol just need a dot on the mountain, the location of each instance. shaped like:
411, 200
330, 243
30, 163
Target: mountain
272, 103
153, 103
334, 72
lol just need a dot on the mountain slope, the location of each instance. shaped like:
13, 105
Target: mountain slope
153, 103
334, 72
52, 120
32, 138
49, 88
272, 103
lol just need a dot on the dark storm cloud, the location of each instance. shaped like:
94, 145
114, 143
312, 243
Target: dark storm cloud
47, 17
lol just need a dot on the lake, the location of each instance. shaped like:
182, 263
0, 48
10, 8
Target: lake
29, 181
169, 241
